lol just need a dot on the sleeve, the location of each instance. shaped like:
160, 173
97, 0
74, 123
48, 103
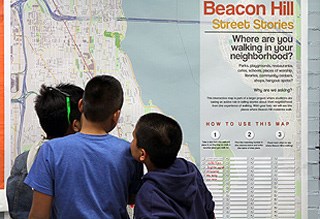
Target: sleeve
142, 207
207, 197
148, 206
41, 175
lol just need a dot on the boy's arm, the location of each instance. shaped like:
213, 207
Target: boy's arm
41, 206
209, 203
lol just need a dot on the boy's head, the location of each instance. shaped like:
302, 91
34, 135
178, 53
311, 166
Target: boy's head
103, 97
157, 138
57, 109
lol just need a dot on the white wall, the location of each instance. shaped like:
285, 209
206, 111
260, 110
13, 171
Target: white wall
314, 105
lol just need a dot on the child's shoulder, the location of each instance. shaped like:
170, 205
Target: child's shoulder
118, 140
60, 141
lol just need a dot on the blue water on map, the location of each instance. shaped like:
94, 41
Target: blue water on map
162, 42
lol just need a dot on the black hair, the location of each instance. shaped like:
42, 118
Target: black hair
51, 108
160, 136
103, 96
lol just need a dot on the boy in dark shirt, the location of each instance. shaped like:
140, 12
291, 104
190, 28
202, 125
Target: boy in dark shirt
173, 187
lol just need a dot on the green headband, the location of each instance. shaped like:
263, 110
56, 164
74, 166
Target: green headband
68, 108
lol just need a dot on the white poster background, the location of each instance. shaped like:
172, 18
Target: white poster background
253, 108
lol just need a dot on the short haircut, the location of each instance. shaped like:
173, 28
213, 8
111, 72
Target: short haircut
160, 136
103, 96
51, 108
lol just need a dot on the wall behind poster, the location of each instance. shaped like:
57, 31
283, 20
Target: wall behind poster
1, 96
153, 49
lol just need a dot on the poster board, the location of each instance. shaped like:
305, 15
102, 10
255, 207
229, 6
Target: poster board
167, 63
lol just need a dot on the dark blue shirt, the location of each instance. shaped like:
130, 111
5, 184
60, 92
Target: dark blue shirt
176, 192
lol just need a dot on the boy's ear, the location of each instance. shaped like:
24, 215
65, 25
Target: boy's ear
80, 105
143, 155
116, 116
76, 125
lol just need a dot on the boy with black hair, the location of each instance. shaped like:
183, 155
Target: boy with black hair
89, 174
57, 118
58, 113
173, 187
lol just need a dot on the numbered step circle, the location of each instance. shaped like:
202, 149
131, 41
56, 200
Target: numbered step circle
215, 134
279, 135
249, 134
